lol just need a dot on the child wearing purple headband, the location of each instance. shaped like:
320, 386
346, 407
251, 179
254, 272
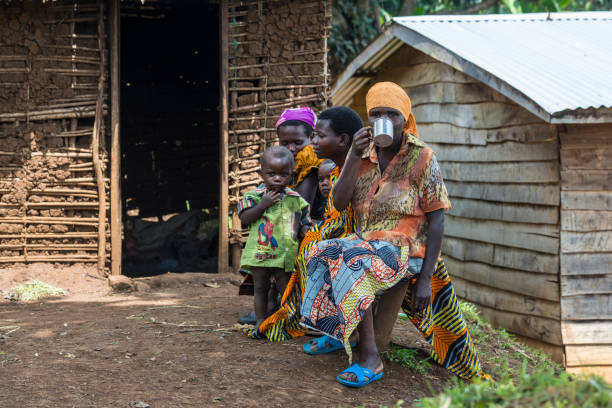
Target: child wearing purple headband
294, 128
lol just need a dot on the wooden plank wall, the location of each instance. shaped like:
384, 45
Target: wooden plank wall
501, 167
586, 247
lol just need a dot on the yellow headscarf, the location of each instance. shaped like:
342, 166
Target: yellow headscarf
391, 95
305, 162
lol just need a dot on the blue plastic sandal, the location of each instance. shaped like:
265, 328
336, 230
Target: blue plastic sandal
361, 373
325, 344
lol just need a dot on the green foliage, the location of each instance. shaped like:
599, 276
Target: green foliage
497, 346
348, 39
407, 358
541, 388
34, 290
355, 26
523, 377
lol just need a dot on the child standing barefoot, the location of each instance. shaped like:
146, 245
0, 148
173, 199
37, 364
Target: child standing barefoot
278, 217
294, 128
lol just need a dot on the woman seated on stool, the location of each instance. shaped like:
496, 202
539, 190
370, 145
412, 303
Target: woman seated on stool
399, 199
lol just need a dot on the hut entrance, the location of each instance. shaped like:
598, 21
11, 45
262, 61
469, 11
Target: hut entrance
169, 136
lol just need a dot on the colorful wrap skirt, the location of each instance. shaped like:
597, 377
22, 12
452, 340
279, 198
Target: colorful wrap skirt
443, 326
284, 324
344, 276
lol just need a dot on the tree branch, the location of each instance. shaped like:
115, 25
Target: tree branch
377, 18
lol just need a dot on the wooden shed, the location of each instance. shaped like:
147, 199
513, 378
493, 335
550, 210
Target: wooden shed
142, 109
519, 111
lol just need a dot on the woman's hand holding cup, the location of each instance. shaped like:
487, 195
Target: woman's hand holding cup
361, 141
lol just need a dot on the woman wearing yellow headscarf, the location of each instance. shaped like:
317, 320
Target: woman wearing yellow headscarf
399, 198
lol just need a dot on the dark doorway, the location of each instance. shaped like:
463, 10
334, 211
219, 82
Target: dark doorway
169, 135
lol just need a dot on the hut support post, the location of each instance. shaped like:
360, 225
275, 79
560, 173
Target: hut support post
115, 156
236, 247
223, 256
235, 242
95, 148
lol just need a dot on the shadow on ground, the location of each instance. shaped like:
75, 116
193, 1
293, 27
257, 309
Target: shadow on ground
176, 346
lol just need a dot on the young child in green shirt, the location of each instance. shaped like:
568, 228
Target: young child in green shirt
278, 217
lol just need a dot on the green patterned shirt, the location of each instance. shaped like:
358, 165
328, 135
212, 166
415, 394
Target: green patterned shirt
273, 239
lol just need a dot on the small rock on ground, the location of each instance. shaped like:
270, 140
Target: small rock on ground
121, 283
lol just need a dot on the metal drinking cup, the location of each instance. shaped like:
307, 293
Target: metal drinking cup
383, 132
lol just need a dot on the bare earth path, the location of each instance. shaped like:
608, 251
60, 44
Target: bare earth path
174, 346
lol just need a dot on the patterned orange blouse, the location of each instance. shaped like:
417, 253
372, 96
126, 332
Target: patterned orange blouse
392, 206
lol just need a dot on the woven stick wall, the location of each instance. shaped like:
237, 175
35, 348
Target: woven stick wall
52, 106
277, 60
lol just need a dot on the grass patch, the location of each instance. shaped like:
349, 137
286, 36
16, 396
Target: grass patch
524, 377
499, 350
407, 358
544, 387
33, 290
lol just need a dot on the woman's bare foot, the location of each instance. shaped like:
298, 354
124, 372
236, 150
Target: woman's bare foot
374, 364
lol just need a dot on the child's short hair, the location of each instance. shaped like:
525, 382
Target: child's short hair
277, 152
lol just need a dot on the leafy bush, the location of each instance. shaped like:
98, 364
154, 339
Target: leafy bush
538, 383
349, 39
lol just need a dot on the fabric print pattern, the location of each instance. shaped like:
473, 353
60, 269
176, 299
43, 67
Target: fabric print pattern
391, 206
343, 276
443, 326
266, 230
306, 162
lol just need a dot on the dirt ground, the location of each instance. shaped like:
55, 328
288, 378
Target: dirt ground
176, 345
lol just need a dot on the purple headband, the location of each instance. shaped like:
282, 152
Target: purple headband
305, 115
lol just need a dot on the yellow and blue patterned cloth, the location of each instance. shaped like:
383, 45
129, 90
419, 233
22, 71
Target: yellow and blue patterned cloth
344, 276
443, 326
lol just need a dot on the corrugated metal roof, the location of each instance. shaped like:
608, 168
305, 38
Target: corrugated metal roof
557, 65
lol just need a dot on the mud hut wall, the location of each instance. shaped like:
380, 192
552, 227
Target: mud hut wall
277, 60
586, 247
49, 68
501, 167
